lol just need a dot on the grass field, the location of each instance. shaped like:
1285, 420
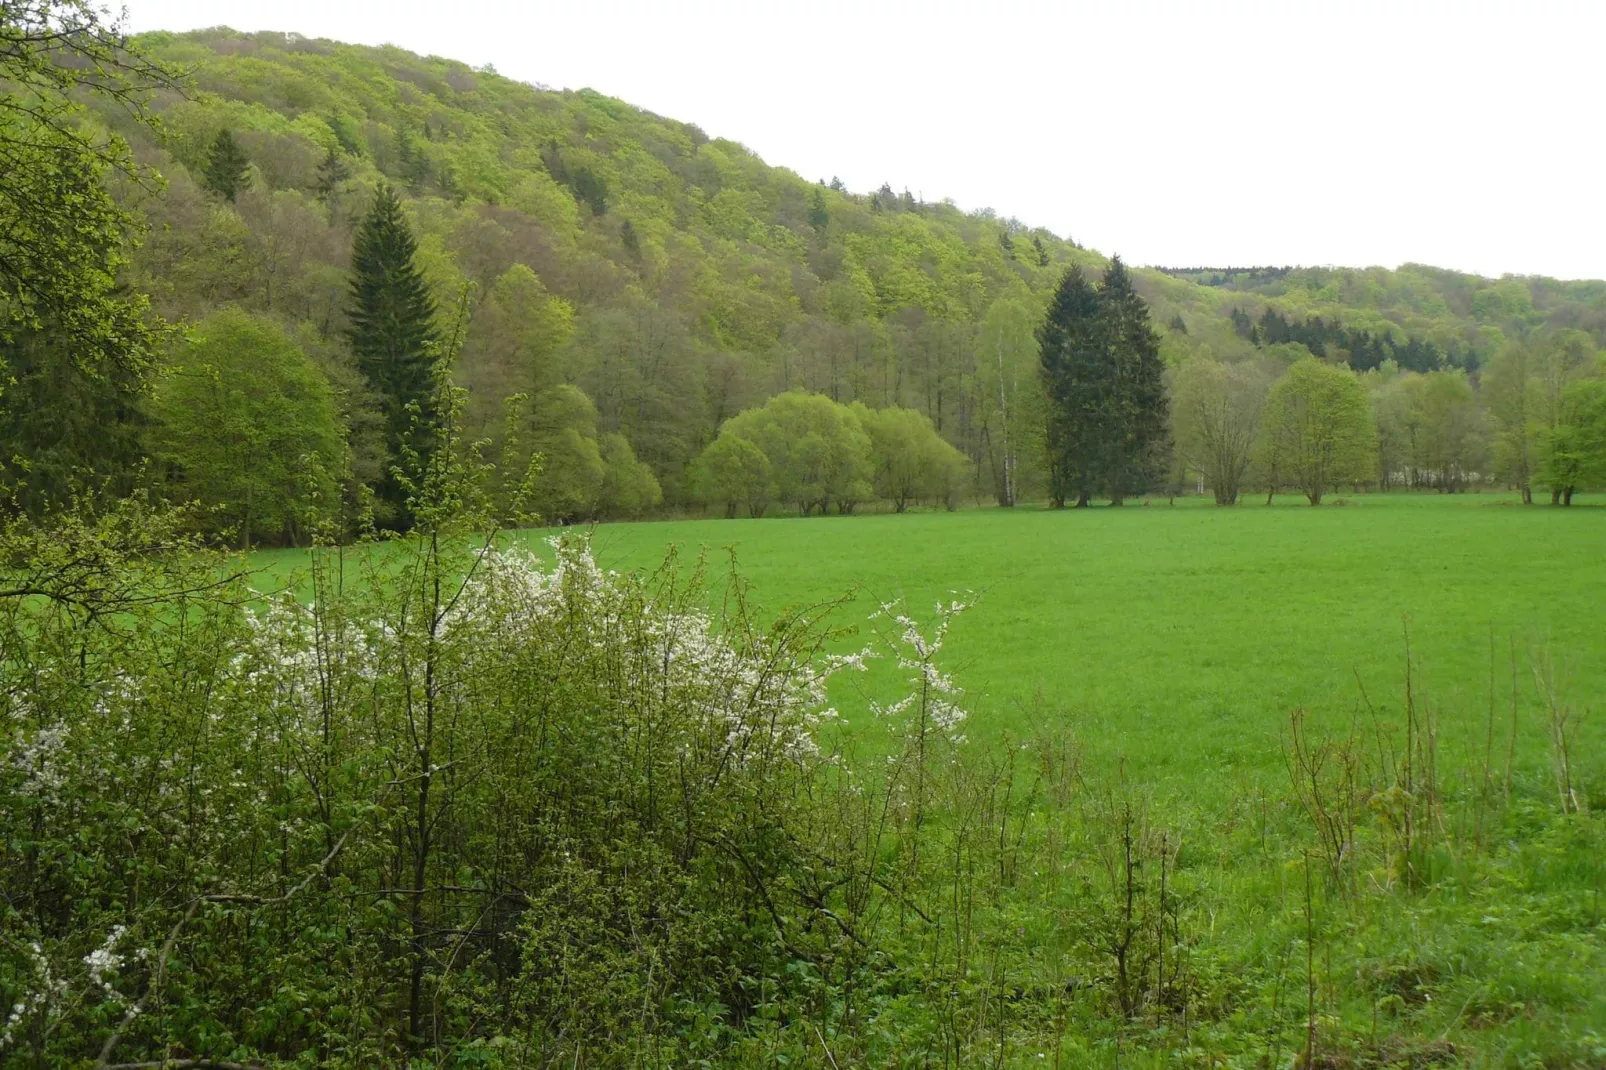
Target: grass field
1175, 641
1180, 637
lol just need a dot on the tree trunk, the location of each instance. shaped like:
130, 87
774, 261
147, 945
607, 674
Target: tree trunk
1003, 409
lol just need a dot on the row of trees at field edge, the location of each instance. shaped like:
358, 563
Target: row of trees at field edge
813, 454
1535, 416
245, 423
322, 268
1108, 412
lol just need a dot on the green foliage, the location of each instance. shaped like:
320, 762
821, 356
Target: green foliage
449, 805
818, 452
392, 331
1137, 447
628, 486
1317, 432
735, 473
819, 215
64, 428
228, 171
1572, 454
64, 239
1511, 397
333, 174
1074, 365
1217, 408
1102, 371
569, 484
725, 289
909, 461
249, 428
1449, 438
1011, 401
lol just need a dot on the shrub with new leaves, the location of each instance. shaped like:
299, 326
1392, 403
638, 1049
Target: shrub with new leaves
466, 796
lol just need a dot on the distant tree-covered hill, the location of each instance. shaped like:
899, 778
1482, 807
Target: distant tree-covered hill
675, 279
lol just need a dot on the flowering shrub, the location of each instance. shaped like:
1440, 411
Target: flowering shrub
467, 796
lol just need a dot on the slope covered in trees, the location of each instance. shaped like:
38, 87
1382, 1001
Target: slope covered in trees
668, 280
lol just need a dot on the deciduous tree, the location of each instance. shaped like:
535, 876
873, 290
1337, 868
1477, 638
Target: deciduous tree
1318, 432
249, 428
64, 239
735, 473
909, 460
1572, 454
1218, 411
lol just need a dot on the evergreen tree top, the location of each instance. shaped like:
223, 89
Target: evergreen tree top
1073, 301
393, 312
1116, 278
227, 168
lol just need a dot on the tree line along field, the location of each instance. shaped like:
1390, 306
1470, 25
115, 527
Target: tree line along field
617, 289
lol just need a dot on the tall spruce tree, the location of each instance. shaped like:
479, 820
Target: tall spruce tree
228, 171
1136, 445
1075, 378
393, 334
333, 174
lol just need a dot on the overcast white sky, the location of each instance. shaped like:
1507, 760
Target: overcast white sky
1467, 135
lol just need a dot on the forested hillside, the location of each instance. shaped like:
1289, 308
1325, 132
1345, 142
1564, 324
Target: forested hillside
631, 282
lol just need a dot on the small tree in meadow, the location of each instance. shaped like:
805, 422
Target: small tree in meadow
1318, 432
1572, 454
1218, 410
736, 474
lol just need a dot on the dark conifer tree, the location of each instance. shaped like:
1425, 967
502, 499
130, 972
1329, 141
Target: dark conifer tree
631, 240
333, 174
413, 163
592, 190
227, 169
392, 332
552, 159
819, 218
1075, 376
1042, 252
1136, 444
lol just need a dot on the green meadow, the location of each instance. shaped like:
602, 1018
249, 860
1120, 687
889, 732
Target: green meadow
1181, 636
1172, 644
